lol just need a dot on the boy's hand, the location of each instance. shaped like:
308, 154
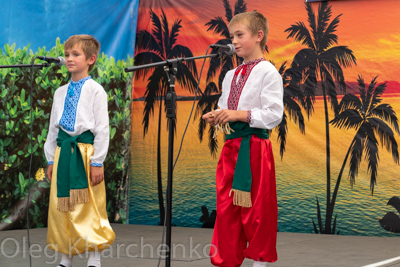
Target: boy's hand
209, 118
225, 115
96, 175
49, 171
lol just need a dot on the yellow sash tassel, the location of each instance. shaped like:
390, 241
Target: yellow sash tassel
241, 198
63, 203
77, 196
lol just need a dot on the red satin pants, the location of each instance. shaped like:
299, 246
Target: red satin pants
246, 232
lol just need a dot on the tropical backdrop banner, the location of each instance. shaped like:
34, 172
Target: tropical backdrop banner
40, 28
336, 149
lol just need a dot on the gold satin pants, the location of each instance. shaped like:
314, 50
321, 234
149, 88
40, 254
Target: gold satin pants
87, 227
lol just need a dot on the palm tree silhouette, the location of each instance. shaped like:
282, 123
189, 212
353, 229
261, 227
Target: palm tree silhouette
292, 92
369, 117
391, 221
208, 219
222, 65
323, 61
208, 102
160, 45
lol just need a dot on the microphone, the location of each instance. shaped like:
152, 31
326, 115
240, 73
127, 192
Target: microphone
58, 60
228, 49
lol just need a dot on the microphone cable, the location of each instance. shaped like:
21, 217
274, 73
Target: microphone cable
179, 152
30, 164
191, 112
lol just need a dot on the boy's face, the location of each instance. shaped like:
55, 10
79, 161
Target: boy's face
246, 44
77, 63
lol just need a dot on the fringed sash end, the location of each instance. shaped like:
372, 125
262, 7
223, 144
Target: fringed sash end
63, 204
241, 198
77, 196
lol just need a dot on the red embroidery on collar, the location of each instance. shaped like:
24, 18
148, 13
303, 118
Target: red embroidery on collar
237, 87
241, 68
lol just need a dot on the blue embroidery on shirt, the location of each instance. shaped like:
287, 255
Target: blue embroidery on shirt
68, 117
96, 164
50, 163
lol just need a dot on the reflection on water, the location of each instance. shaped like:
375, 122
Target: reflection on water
301, 177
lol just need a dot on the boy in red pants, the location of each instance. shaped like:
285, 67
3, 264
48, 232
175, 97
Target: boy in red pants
251, 102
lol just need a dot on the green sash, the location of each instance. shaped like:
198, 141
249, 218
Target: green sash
242, 176
72, 184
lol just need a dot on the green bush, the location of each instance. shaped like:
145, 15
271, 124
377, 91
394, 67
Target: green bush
15, 121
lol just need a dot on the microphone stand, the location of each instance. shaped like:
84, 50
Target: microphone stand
47, 64
171, 67
25, 65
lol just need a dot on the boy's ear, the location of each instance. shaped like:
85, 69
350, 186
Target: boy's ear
92, 59
260, 35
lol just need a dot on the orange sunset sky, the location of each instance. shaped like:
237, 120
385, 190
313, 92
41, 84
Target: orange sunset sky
369, 28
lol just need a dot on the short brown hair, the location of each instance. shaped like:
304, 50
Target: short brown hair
88, 43
255, 21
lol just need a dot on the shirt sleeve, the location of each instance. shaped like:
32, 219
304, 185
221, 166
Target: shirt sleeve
51, 141
271, 112
222, 101
226, 83
101, 128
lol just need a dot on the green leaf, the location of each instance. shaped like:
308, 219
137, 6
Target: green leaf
22, 96
113, 131
12, 158
44, 184
22, 182
122, 213
7, 141
4, 92
35, 147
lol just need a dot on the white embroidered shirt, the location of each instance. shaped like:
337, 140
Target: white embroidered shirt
78, 107
262, 94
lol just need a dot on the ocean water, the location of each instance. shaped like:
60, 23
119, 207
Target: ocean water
300, 174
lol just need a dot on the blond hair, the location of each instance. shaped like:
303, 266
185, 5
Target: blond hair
88, 43
255, 21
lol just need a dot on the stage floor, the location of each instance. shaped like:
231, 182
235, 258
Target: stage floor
138, 245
